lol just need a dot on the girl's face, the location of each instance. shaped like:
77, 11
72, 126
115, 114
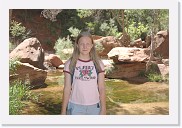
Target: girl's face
85, 45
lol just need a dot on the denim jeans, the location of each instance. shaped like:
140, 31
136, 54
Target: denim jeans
76, 109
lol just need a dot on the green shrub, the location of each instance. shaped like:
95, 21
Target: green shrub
13, 65
19, 92
166, 78
74, 32
61, 44
110, 69
18, 32
83, 13
136, 29
11, 46
16, 29
99, 47
154, 77
110, 29
152, 74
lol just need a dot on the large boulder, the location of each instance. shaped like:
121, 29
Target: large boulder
128, 62
30, 58
126, 70
34, 76
107, 43
29, 51
128, 54
162, 44
54, 60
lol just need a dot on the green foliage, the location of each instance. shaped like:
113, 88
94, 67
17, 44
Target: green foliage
61, 44
18, 32
69, 18
109, 70
157, 19
99, 47
154, 77
83, 13
93, 26
74, 32
19, 92
135, 30
11, 46
166, 78
109, 28
16, 29
102, 22
13, 65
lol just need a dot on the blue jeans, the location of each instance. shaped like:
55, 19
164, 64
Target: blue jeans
76, 109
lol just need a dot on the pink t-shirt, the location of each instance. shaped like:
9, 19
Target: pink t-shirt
84, 86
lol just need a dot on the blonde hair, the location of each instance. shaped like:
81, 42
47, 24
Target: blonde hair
93, 55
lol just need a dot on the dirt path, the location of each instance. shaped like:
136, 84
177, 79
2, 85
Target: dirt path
155, 108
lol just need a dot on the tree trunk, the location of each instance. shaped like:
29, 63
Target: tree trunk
123, 22
10, 15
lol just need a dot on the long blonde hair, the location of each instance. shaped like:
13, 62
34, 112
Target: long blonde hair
93, 55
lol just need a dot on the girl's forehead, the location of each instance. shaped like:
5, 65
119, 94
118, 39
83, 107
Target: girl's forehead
85, 38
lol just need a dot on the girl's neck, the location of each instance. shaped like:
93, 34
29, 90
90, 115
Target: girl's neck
84, 57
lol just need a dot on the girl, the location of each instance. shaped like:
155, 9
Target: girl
84, 89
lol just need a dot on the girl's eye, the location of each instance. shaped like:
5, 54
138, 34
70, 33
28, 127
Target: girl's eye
81, 44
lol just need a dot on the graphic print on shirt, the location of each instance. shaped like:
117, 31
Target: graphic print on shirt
85, 73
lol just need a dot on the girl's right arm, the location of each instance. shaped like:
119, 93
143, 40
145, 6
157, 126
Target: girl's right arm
66, 92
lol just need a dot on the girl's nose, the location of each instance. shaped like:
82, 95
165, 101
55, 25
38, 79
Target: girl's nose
84, 45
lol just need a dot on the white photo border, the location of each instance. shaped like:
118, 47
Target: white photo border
171, 119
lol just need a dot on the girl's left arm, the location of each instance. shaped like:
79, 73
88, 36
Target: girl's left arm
102, 92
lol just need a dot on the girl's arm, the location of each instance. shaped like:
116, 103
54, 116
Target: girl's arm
66, 92
102, 93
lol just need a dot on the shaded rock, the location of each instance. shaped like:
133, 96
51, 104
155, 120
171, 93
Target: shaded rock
35, 76
162, 44
138, 43
126, 70
148, 41
160, 69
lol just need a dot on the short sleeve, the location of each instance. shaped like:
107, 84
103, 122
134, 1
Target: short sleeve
66, 67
